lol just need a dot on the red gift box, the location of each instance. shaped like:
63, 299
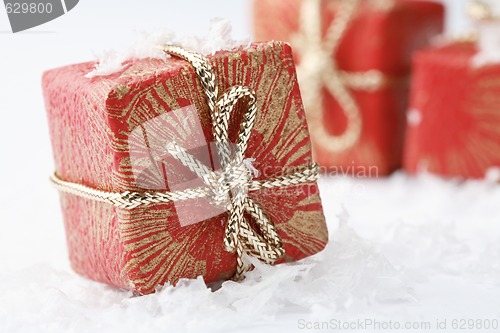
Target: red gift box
353, 65
106, 132
454, 122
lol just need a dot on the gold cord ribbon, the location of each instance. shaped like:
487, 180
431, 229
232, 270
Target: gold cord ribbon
318, 69
234, 181
481, 11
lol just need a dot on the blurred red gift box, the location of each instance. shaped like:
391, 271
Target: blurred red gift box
454, 120
353, 65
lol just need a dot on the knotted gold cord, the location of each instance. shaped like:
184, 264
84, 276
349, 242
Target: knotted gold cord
318, 70
234, 181
481, 11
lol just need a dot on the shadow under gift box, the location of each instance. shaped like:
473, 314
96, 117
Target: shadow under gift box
381, 36
91, 121
454, 120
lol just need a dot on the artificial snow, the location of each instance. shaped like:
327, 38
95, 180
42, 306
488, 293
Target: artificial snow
148, 45
402, 249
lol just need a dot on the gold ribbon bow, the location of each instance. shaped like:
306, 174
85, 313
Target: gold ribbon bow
318, 69
234, 181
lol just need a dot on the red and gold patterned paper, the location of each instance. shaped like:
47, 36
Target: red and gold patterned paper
454, 122
90, 124
382, 35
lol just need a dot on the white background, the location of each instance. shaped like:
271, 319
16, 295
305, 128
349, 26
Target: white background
415, 248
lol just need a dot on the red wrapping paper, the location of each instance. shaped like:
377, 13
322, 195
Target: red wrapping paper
91, 121
382, 36
454, 122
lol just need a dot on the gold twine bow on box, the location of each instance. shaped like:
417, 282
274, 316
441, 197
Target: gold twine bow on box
234, 181
318, 70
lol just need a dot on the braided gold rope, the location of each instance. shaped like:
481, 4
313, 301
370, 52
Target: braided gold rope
131, 200
233, 182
